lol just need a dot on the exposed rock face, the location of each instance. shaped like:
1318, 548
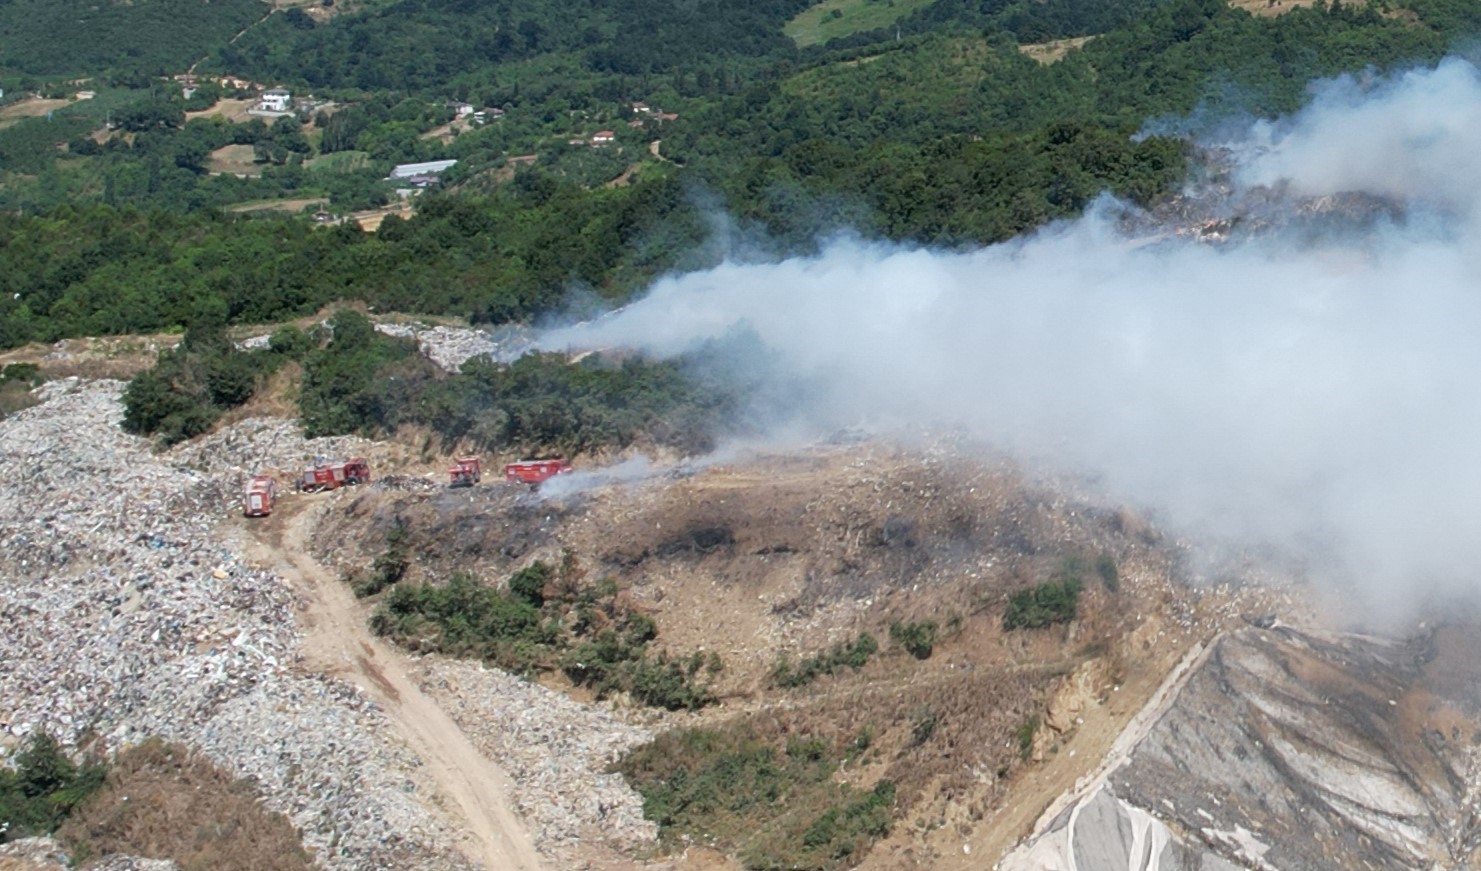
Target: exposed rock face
1294, 751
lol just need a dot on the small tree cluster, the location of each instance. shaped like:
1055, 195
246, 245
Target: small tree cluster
918, 638
389, 566
191, 385
842, 655
43, 788
538, 623
1044, 605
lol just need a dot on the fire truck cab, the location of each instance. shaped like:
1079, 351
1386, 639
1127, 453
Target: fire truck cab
466, 472
258, 496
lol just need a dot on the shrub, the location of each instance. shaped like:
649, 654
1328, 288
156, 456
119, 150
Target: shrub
773, 806
923, 725
191, 385
28, 374
529, 583
1026, 734
1105, 566
43, 788
593, 642
390, 566
1044, 605
918, 639
851, 655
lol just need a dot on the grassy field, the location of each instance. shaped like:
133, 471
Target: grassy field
234, 159
338, 161
834, 18
32, 108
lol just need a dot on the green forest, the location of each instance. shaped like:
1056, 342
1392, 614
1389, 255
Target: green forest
116, 215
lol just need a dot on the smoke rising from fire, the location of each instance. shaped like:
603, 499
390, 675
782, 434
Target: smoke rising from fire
1314, 392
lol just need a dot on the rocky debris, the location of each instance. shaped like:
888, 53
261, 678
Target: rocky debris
1292, 750
34, 854
451, 347
126, 617
45, 854
556, 750
262, 445
131, 863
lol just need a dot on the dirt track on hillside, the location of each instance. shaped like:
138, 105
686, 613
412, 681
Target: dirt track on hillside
337, 641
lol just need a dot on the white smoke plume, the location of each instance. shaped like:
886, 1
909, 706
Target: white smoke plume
1319, 397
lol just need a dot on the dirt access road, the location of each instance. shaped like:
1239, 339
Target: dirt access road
337, 641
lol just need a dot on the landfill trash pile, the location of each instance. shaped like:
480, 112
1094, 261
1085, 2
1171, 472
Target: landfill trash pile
556, 750
126, 618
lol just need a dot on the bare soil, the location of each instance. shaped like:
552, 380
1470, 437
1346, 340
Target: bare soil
1056, 49
337, 642
30, 108
371, 219
792, 553
233, 160
232, 110
293, 206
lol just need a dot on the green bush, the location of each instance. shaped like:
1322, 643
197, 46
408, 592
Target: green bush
840, 656
28, 374
918, 639
774, 807
390, 566
587, 636
1026, 733
1044, 605
529, 583
190, 385
43, 788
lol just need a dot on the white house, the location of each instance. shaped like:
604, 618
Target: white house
431, 167
276, 100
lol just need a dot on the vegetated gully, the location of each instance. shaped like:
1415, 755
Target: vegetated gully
338, 642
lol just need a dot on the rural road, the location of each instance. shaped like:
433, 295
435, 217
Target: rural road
337, 641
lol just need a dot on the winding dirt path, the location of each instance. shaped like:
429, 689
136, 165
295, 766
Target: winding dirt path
337, 641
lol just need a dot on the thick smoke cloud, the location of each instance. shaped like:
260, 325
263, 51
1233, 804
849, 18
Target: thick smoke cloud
1319, 399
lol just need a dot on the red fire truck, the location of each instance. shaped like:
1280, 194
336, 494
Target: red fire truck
328, 476
258, 496
466, 472
535, 471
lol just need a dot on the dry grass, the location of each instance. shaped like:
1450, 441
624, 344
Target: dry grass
32, 108
14, 396
162, 801
794, 553
11, 864
371, 220
232, 110
1056, 49
449, 131
277, 398
233, 160
292, 207
120, 357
